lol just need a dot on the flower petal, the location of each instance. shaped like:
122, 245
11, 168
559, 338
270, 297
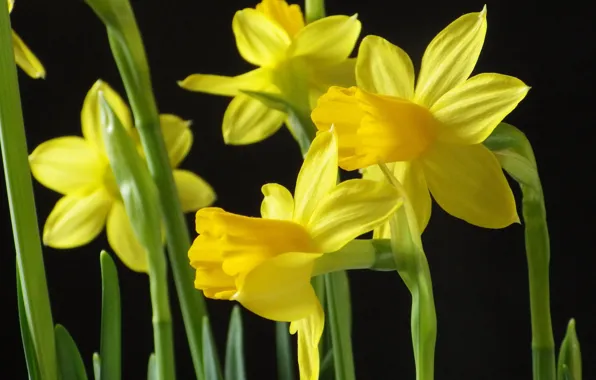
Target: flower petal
317, 177
194, 192
76, 220
247, 121
123, 241
450, 57
353, 208
68, 164
471, 111
10, 5
277, 203
288, 16
384, 68
411, 176
177, 137
468, 183
253, 80
328, 40
90, 114
279, 288
26, 59
260, 40
310, 330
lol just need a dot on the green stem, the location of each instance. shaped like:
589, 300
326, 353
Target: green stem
36, 300
285, 363
314, 9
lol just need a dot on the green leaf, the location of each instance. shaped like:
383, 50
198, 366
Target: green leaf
70, 363
96, 366
110, 339
285, 361
235, 369
327, 370
570, 357
151, 368
210, 357
28, 346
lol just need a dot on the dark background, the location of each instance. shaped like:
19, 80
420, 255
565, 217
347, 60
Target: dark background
479, 275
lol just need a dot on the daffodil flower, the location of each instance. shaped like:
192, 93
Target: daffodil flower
78, 167
23, 56
266, 263
297, 61
431, 133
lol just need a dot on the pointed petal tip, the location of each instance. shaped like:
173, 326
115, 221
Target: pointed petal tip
483, 12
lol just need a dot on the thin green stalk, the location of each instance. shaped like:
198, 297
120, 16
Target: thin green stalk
314, 9
36, 300
515, 154
285, 363
129, 54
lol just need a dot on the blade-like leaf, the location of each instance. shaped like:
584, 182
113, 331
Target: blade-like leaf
151, 368
96, 366
285, 362
28, 346
570, 357
110, 346
235, 369
70, 363
210, 357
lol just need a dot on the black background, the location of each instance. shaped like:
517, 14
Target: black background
479, 276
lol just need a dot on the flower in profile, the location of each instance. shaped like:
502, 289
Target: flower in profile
78, 168
266, 263
430, 134
296, 61
23, 56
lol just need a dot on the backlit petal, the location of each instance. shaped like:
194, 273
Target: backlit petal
353, 208
470, 112
26, 59
68, 164
76, 220
288, 16
177, 137
279, 289
253, 80
467, 181
310, 330
247, 121
317, 177
90, 114
194, 191
322, 77
10, 5
123, 240
277, 202
328, 40
260, 40
411, 176
384, 68
450, 57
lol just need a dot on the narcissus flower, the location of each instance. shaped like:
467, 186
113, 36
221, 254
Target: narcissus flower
23, 56
431, 134
79, 168
266, 263
297, 61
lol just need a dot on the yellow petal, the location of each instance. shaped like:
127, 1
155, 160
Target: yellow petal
468, 183
384, 68
68, 164
287, 16
260, 40
194, 192
411, 176
353, 208
123, 240
253, 80
451, 56
471, 111
76, 220
279, 289
310, 330
247, 121
10, 5
91, 117
26, 59
317, 177
277, 202
177, 137
328, 40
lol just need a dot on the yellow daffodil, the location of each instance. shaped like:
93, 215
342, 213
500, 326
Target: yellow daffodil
297, 61
79, 168
432, 133
23, 56
266, 263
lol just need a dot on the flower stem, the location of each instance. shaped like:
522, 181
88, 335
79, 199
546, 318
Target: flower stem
314, 9
31, 271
